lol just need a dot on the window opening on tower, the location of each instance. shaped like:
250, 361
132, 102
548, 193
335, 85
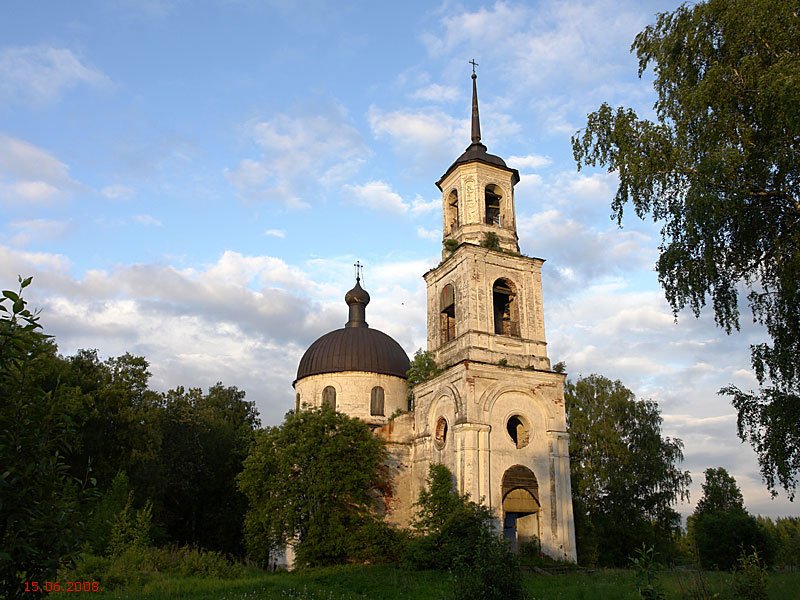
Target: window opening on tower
329, 396
447, 314
376, 402
506, 311
452, 211
492, 197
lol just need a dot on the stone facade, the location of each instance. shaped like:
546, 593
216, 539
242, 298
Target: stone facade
495, 416
354, 394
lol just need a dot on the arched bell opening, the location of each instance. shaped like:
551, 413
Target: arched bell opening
451, 211
493, 197
521, 506
506, 309
447, 314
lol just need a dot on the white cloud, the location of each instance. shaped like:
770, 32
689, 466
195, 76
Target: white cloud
420, 206
118, 192
278, 233
29, 174
421, 136
376, 195
560, 58
429, 234
298, 156
147, 220
531, 161
244, 320
46, 230
379, 195
436, 93
40, 75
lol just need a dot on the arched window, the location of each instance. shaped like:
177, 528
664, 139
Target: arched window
440, 433
447, 313
506, 311
520, 506
452, 212
518, 431
376, 401
297, 402
492, 196
329, 397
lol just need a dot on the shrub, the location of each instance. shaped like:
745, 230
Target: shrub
750, 578
458, 535
491, 241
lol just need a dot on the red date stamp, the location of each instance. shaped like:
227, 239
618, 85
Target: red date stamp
62, 587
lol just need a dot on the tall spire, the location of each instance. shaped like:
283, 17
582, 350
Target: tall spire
476, 119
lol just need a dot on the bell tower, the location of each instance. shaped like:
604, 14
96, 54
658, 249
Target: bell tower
484, 298
495, 414
478, 193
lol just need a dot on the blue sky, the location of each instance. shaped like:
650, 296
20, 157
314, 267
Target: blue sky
192, 181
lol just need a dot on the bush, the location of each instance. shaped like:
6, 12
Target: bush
750, 578
457, 535
375, 541
134, 565
490, 240
721, 536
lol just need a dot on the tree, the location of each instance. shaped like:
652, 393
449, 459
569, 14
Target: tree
625, 477
314, 481
720, 526
720, 168
206, 438
720, 492
40, 502
422, 368
457, 535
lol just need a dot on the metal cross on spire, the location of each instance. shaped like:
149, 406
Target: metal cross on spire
359, 270
474, 64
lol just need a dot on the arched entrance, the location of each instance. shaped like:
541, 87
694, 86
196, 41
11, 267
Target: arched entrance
520, 506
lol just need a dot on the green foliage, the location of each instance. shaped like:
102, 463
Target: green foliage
451, 245
720, 168
784, 534
457, 535
625, 477
40, 501
205, 439
720, 492
135, 565
104, 513
645, 566
131, 528
182, 449
490, 240
313, 482
422, 368
750, 578
721, 527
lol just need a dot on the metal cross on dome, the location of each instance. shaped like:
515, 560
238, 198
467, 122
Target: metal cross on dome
359, 270
474, 64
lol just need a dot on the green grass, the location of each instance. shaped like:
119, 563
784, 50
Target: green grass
392, 583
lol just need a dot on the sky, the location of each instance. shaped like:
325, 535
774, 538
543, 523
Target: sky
193, 181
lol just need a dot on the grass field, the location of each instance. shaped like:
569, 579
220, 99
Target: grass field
392, 583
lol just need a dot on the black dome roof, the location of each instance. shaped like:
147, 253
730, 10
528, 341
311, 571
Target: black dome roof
354, 349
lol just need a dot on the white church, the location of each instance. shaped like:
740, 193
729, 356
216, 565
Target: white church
495, 415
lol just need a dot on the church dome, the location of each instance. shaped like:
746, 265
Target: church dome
355, 347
